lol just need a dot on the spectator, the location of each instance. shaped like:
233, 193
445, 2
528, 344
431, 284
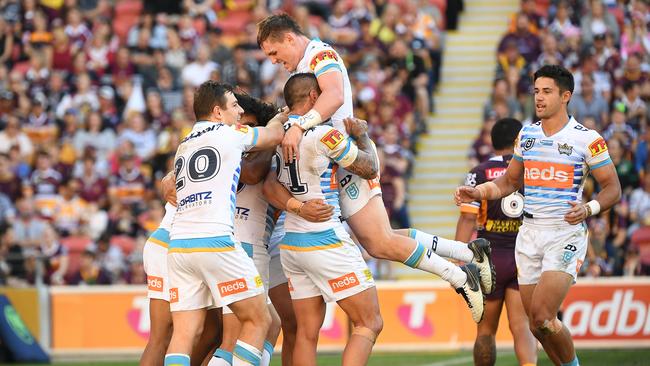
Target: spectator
84, 99
562, 25
635, 38
61, 51
526, 42
550, 53
55, 257
242, 71
77, 30
109, 257
220, 53
619, 128
128, 185
9, 182
92, 187
395, 165
13, 136
195, 73
28, 229
7, 212
45, 182
597, 21
635, 107
640, 205
70, 210
142, 137
502, 96
589, 104
589, 65
627, 174
90, 272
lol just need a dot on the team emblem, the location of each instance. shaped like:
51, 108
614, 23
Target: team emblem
352, 191
322, 56
565, 149
241, 128
528, 144
598, 147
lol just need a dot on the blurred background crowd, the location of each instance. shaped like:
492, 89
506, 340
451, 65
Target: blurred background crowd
96, 94
606, 44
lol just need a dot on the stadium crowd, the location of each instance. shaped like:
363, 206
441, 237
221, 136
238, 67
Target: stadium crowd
606, 45
95, 96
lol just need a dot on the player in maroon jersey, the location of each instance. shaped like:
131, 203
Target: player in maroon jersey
499, 221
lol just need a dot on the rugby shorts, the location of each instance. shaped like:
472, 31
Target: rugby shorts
261, 259
154, 258
354, 191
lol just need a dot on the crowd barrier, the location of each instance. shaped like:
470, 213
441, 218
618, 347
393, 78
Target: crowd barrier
423, 316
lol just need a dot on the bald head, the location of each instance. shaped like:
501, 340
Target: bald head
299, 88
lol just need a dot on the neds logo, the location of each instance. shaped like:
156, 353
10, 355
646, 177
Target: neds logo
551, 175
232, 287
155, 283
344, 282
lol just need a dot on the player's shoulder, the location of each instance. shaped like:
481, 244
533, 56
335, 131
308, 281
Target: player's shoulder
581, 133
327, 136
202, 129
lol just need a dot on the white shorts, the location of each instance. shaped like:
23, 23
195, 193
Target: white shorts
261, 258
276, 274
541, 248
325, 263
210, 272
154, 258
355, 192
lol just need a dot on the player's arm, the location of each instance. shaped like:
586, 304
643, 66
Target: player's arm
168, 188
511, 181
255, 166
271, 135
279, 197
365, 163
468, 211
609, 194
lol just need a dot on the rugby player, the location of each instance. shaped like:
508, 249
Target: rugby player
282, 40
320, 260
552, 158
499, 221
207, 167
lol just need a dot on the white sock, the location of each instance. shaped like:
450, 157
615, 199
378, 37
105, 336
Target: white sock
443, 247
177, 359
246, 355
267, 353
221, 357
433, 263
216, 361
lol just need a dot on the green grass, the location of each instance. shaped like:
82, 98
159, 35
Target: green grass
635, 357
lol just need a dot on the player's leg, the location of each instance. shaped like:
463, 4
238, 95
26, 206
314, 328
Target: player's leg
231, 329
525, 342
188, 325
282, 302
271, 336
160, 333
363, 311
547, 328
310, 313
210, 338
255, 321
485, 352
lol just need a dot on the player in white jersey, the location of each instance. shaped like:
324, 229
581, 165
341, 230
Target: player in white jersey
283, 42
207, 266
552, 160
320, 259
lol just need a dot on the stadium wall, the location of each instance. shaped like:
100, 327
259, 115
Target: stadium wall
425, 316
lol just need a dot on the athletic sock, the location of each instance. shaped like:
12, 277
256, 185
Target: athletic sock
443, 247
177, 359
267, 353
246, 355
429, 261
221, 357
573, 362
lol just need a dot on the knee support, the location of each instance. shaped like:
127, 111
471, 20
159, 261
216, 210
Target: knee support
551, 326
365, 333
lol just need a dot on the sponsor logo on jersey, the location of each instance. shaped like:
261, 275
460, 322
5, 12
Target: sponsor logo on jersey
546, 142
565, 149
470, 179
352, 191
241, 128
232, 287
258, 281
344, 282
502, 226
242, 213
332, 139
528, 144
322, 56
155, 283
550, 175
195, 199
345, 180
173, 294
598, 147
493, 173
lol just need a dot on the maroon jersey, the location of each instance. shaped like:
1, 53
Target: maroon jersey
498, 220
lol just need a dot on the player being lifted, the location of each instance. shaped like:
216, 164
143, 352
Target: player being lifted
551, 160
320, 260
283, 42
207, 167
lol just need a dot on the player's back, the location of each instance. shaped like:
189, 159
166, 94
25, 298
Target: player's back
313, 176
321, 58
555, 167
207, 167
253, 215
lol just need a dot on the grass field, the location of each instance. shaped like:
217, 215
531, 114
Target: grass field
636, 357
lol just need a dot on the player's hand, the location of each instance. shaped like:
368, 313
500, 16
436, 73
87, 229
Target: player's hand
290, 143
316, 211
466, 194
168, 188
281, 117
355, 127
577, 213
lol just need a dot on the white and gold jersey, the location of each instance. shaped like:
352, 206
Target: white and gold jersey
253, 216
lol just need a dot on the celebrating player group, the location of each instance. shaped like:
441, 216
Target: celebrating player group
261, 204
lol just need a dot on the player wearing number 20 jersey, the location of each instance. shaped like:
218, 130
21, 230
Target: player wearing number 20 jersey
320, 259
207, 167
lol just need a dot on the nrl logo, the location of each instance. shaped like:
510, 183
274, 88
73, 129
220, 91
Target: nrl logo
565, 149
528, 144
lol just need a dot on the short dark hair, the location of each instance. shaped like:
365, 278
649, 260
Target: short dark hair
274, 26
504, 133
262, 111
562, 77
209, 94
298, 88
